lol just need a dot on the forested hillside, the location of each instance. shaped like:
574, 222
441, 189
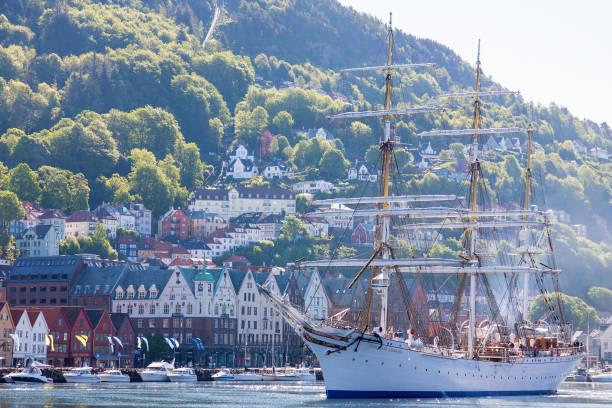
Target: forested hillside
118, 100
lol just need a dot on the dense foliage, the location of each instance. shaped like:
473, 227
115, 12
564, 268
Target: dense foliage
118, 101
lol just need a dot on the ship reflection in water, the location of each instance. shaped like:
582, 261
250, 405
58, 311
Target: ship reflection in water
265, 395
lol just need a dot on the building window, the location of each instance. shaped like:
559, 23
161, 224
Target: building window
189, 323
140, 309
130, 309
189, 308
166, 308
140, 323
152, 309
166, 323
177, 308
151, 323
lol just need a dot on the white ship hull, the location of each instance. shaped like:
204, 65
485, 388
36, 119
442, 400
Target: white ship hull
394, 370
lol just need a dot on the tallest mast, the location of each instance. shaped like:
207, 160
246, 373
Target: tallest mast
474, 232
381, 282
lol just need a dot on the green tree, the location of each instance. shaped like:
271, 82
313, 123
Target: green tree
601, 298
70, 246
250, 125
117, 189
333, 165
283, 122
10, 209
79, 193
55, 187
24, 182
360, 137
230, 74
574, 310
190, 165
149, 182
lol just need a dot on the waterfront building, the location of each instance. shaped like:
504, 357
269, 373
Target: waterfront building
43, 281
104, 347
59, 351
316, 301
96, 283
125, 332
31, 330
7, 327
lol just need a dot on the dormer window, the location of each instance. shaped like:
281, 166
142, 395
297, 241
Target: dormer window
141, 294
119, 293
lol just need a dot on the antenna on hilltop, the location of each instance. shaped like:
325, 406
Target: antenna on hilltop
478, 57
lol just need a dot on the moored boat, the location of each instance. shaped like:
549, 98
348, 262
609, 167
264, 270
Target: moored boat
183, 374
114, 376
223, 375
81, 375
28, 375
157, 371
247, 376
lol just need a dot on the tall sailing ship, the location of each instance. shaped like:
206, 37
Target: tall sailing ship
437, 354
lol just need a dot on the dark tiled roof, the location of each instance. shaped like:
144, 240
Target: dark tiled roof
94, 315
52, 214
247, 163
264, 192
237, 277
282, 281
81, 216
146, 277
63, 266
195, 245
211, 194
117, 319
101, 275
41, 231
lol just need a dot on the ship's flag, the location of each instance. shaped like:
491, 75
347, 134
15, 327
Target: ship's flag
175, 341
200, 344
138, 342
110, 342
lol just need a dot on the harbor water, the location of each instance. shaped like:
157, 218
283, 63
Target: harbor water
268, 395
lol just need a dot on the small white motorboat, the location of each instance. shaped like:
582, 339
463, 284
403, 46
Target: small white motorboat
28, 375
223, 375
305, 374
81, 375
248, 376
603, 377
183, 375
157, 371
114, 376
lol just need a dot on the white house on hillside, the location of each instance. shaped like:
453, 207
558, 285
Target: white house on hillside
277, 169
242, 164
32, 330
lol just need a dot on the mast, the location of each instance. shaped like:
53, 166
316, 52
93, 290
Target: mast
386, 147
527, 193
475, 167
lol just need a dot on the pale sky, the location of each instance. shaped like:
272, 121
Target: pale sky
551, 51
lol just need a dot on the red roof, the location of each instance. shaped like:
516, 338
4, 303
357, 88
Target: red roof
182, 262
